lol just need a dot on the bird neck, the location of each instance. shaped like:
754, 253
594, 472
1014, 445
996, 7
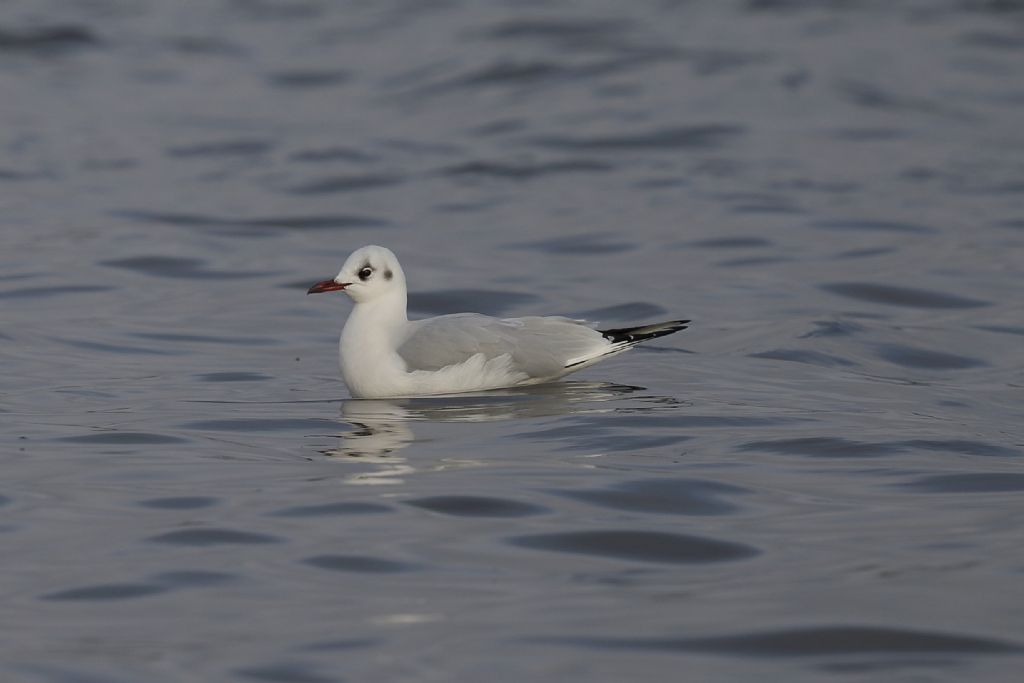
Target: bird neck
385, 313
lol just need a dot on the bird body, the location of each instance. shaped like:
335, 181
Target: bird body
385, 355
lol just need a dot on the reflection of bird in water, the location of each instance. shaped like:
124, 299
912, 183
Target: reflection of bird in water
383, 427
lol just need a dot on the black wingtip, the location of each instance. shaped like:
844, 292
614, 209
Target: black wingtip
635, 335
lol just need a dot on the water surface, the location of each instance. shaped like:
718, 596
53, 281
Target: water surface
819, 481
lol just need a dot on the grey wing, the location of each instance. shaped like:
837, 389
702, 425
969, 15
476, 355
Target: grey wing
538, 346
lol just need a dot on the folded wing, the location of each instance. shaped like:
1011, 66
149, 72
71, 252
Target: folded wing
538, 346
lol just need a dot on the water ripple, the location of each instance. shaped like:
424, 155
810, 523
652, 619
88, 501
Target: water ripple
979, 482
286, 672
180, 502
815, 642
900, 296
221, 148
123, 438
332, 509
476, 506
708, 136
875, 226
346, 183
44, 40
174, 267
301, 222
523, 172
925, 359
357, 563
638, 546
836, 447
107, 591
805, 356
213, 536
675, 496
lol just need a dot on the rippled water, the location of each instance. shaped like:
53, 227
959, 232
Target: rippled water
820, 480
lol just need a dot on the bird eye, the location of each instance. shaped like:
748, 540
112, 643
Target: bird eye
365, 273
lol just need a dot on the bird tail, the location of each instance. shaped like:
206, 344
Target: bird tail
635, 335
627, 337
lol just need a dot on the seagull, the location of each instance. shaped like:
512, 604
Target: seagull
383, 354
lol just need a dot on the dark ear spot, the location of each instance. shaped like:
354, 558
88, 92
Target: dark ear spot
388, 274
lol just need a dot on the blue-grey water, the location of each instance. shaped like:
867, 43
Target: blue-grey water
821, 480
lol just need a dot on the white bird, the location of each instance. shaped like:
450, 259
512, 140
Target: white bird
385, 355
